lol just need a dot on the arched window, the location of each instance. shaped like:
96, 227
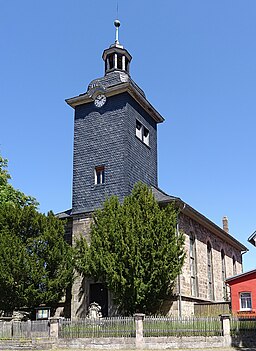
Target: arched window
223, 273
193, 265
210, 272
234, 266
119, 61
111, 59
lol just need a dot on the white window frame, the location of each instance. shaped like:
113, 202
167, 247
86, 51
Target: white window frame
99, 175
145, 136
139, 130
246, 299
142, 132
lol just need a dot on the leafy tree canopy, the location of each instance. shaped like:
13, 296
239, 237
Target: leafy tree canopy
7, 193
35, 261
135, 249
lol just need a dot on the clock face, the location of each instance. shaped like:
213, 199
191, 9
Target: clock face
100, 100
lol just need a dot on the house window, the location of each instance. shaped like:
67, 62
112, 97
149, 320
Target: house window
210, 272
99, 175
193, 266
142, 133
223, 273
245, 301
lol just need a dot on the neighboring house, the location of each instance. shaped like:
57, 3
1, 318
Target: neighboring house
252, 239
115, 146
243, 293
243, 289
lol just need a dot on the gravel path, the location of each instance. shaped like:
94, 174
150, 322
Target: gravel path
169, 349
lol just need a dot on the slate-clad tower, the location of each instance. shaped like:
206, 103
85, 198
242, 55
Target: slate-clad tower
115, 135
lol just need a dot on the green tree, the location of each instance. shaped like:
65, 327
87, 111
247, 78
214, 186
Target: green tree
7, 192
135, 249
36, 264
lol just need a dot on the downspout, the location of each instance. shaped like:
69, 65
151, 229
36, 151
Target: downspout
179, 277
242, 253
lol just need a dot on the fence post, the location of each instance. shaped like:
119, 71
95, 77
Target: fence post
29, 328
225, 321
139, 317
54, 327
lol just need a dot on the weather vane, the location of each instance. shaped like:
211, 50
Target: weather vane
117, 23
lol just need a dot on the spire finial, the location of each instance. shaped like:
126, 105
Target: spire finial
117, 25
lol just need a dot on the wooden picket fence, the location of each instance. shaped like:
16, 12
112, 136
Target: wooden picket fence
243, 326
152, 326
97, 328
185, 326
125, 327
24, 330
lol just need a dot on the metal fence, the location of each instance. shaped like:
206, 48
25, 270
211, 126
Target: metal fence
98, 328
24, 330
243, 326
152, 326
186, 326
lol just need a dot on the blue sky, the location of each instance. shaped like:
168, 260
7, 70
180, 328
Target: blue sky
196, 62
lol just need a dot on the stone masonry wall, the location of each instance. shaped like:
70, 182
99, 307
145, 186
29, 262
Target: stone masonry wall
81, 226
202, 236
80, 290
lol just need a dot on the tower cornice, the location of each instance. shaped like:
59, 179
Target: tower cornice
118, 89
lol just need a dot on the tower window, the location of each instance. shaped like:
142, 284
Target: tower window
146, 136
99, 175
142, 133
119, 61
111, 61
139, 130
126, 64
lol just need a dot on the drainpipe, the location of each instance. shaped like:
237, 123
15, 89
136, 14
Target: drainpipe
179, 287
179, 280
242, 253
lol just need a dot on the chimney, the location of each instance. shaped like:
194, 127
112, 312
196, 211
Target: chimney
225, 224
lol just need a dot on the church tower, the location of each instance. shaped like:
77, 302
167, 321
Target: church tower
115, 134
115, 146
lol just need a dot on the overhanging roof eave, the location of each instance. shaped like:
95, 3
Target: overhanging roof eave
118, 89
191, 212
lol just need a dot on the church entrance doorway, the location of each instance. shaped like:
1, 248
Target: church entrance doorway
99, 294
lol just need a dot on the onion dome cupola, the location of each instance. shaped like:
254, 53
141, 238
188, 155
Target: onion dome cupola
116, 57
